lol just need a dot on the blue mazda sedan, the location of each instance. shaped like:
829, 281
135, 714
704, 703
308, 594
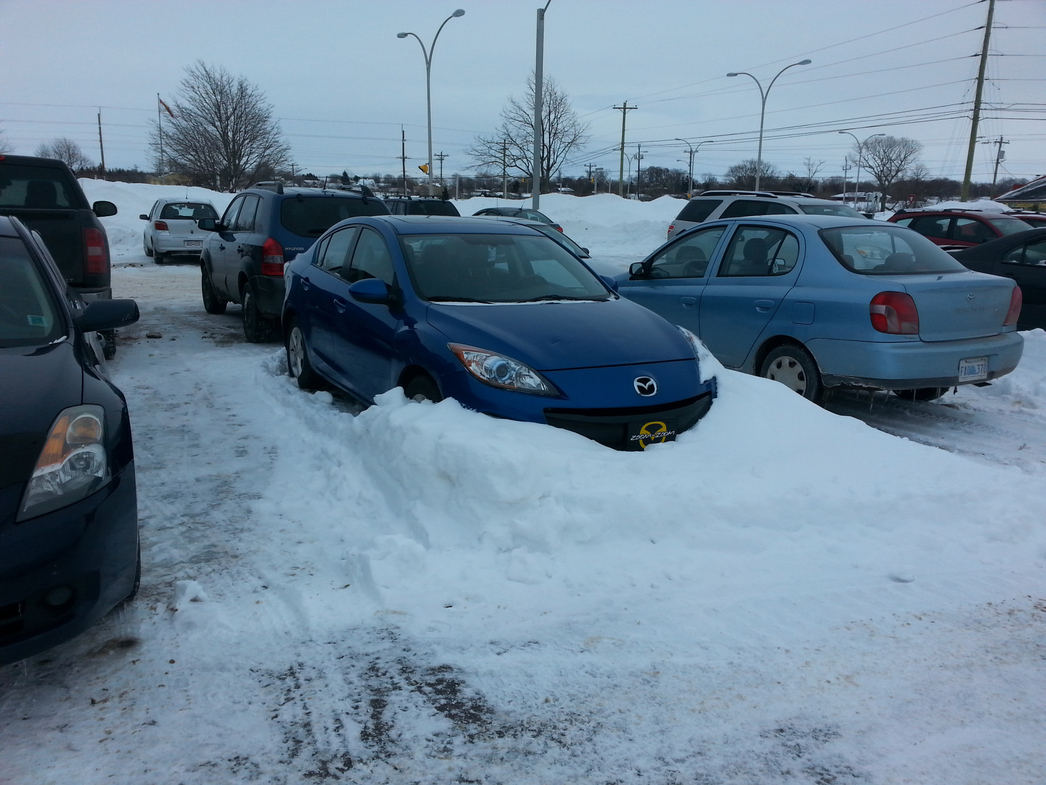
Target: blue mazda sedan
495, 315
817, 302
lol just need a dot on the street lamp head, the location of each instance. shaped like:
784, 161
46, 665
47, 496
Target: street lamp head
402, 35
804, 62
733, 73
459, 12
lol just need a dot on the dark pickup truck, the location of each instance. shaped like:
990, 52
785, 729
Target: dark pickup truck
45, 196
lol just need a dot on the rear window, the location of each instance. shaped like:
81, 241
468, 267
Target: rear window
882, 249
37, 187
431, 208
312, 216
28, 313
188, 210
698, 210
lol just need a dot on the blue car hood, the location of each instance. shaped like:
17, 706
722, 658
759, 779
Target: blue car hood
556, 336
35, 385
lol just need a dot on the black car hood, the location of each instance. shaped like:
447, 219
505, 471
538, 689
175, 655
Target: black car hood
36, 383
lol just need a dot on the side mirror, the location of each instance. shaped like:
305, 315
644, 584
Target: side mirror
144, 217
107, 315
207, 225
373, 291
636, 270
586, 252
104, 209
611, 282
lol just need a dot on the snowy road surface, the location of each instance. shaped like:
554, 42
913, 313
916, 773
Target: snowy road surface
420, 594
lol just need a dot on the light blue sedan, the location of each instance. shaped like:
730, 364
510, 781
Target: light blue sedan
817, 302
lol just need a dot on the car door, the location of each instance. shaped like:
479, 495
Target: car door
324, 291
364, 333
674, 278
754, 274
219, 244
1026, 264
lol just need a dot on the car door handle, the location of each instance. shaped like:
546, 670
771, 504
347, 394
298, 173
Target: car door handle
688, 302
306, 284
340, 305
221, 247
764, 305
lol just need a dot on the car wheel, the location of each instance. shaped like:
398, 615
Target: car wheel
298, 365
108, 344
795, 368
257, 328
423, 388
921, 393
137, 578
212, 301
148, 250
159, 258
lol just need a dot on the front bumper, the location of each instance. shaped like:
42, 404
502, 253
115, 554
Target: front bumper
63, 571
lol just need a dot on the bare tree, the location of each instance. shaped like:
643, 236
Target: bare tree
223, 132
886, 159
511, 149
742, 175
5, 146
65, 150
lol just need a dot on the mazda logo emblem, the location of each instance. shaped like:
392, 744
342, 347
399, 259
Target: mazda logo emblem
645, 386
971, 297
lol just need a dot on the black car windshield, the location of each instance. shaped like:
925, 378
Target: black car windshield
28, 314
187, 210
884, 249
497, 268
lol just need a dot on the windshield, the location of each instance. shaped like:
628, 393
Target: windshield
883, 249
842, 210
28, 314
1008, 225
497, 268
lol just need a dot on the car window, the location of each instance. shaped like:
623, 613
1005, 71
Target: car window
760, 251
747, 207
334, 253
931, 225
971, 230
40, 187
698, 210
187, 211
497, 268
689, 257
1030, 253
313, 215
1007, 225
830, 209
245, 220
371, 259
884, 249
229, 216
29, 315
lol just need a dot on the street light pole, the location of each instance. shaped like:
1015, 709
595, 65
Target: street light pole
693, 152
428, 80
860, 155
762, 111
539, 76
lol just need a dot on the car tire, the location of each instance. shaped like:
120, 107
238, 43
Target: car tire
795, 368
298, 365
137, 578
921, 393
148, 250
159, 258
213, 302
108, 344
257, 327
423, 388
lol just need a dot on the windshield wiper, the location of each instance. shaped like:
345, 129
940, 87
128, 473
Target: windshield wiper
552, 297
446, 298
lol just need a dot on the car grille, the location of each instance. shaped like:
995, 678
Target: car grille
621, 429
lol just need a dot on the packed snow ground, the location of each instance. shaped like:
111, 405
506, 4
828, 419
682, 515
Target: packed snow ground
416, 593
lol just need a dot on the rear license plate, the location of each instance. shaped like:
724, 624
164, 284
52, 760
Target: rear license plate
655, 431
973, 369
193, 243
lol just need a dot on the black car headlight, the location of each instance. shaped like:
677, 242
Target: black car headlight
72, 465
501, 371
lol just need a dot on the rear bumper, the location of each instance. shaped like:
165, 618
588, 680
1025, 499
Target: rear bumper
268, 291
906, 365
62, 572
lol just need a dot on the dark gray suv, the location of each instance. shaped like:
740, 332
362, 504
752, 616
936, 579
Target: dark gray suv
264, 227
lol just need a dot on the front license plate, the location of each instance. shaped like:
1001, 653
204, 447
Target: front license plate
654, 431
193, 243
974, 369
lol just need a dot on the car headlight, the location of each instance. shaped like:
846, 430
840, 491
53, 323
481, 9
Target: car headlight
500, 371
72, 465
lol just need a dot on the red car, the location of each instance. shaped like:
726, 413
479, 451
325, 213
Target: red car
954, 229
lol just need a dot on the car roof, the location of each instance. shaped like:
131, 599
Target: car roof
805, 219
444, 224
32, 160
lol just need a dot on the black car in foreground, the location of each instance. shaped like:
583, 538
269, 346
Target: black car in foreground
1022, 257
69, 549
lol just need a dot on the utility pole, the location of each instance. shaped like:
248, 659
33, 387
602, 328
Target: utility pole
965, 196
621, 175
639, 171
846, 171
403, 157
440, 157
539, 77
999, 156
101, 147
591, 176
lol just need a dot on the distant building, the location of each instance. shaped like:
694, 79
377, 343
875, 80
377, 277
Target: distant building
1031, 196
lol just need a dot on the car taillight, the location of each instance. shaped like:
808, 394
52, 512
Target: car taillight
671, 228
96, 252
1016, 301
272, 258
894, 313
559, 228
161, 226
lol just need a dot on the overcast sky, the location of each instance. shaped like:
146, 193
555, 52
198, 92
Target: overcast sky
342, 85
